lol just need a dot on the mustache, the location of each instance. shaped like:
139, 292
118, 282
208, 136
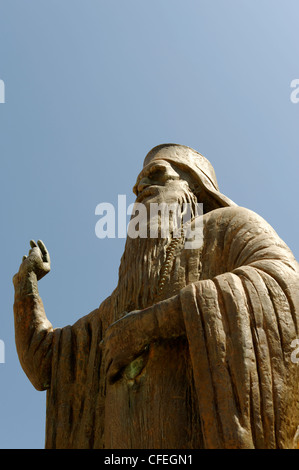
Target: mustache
186, 203
146, 192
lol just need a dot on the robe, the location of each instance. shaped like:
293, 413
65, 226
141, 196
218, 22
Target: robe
230, 381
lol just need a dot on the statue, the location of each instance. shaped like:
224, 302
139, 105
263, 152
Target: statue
193, 347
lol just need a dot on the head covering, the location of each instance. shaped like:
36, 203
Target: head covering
193, 163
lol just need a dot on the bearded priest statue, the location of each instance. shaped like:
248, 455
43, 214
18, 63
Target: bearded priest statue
194, 347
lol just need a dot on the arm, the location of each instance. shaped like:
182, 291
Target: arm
33, 331
129, 337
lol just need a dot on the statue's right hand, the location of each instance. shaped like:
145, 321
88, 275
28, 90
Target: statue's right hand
37, 261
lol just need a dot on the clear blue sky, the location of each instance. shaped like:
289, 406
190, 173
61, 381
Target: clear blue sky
90, 88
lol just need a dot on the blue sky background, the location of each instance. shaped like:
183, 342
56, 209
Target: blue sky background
91, 87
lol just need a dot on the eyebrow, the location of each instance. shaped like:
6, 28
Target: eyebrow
155, 166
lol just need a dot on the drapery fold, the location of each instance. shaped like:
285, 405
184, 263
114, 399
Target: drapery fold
240, 326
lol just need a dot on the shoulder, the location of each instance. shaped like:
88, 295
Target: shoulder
234, 214
243, 230
235, 218
240, 225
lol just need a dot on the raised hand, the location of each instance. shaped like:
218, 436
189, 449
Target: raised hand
37, 261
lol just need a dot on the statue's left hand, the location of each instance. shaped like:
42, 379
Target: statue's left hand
127, 339
37, 261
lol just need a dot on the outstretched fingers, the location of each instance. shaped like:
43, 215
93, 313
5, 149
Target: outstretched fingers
33, 244
40, 246
44, 251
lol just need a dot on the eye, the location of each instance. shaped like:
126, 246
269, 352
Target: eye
156, 173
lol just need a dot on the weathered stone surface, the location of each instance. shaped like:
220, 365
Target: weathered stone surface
193, 349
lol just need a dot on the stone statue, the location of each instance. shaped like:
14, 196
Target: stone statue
193, 348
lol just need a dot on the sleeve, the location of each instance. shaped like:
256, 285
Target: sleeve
33, 336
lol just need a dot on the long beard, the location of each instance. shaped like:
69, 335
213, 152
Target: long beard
141, 266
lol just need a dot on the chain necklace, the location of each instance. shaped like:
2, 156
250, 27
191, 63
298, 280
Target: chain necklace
170, 253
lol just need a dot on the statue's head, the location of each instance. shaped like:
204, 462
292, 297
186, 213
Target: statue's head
171, 171
171, 174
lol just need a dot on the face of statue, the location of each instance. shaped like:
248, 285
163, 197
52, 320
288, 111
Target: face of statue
160, 182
